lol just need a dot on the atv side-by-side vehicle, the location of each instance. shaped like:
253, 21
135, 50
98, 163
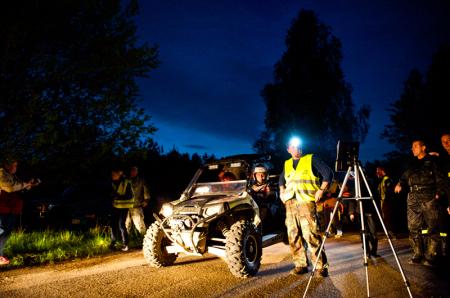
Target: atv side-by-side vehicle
219, 217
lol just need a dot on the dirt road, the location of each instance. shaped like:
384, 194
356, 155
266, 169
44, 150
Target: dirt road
127, 275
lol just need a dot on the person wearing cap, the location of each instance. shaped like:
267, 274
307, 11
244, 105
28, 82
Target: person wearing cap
302, 182
142, 197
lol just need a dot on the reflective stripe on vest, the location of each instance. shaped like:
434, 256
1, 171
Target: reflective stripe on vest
121, 190
300, 182
424, 232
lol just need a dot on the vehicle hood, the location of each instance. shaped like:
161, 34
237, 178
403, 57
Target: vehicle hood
201, 202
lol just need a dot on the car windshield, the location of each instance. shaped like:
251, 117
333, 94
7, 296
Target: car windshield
227, 187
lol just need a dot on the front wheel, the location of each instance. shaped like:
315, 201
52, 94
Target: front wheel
244, 249
154, 247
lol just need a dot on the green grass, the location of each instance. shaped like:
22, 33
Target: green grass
44, 247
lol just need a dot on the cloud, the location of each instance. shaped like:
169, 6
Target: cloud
196, 147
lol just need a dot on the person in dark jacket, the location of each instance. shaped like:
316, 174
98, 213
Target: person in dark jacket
444, 220
425, 181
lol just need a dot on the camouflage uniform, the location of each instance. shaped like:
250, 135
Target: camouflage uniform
301, 184
302, 226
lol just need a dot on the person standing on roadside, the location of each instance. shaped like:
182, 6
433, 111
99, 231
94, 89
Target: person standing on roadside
10, 202
425, 181
444, 222
142, 197
122, 199
302, 183
387, 197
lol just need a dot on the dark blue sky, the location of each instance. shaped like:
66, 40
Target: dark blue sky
216, 56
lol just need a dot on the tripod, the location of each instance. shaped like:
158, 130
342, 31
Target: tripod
358, 173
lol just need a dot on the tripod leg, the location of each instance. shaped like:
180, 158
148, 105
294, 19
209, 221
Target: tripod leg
363, 234
363, 228
387, 235
327, 232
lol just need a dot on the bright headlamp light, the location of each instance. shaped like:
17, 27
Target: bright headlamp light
295, 142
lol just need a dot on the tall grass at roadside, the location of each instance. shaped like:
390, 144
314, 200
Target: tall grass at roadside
42, 247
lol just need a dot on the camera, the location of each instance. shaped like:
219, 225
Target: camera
347, 155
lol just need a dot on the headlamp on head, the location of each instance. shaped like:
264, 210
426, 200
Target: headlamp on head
295, 142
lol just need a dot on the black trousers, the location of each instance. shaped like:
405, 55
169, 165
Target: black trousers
370, 232
388, 212
118, 228
423, 224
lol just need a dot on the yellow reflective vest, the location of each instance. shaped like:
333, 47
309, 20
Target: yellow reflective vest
121, 190
382, 188
301, 183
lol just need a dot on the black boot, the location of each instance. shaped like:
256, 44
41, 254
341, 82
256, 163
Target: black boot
417, 246
431, 254
444, 246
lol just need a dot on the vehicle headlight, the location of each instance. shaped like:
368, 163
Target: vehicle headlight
166, 210
202, 189
215, 209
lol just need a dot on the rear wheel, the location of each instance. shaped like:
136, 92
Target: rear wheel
244, 249
154, 247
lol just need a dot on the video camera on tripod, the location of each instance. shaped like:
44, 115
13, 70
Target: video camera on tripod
347, 155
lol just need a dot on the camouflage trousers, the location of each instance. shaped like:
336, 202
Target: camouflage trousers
303, 234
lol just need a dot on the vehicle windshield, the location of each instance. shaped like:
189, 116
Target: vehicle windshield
227, 187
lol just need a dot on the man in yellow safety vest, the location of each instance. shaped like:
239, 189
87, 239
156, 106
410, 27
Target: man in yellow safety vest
302, 183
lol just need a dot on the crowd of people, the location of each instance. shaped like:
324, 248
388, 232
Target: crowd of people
309, 193
308, 190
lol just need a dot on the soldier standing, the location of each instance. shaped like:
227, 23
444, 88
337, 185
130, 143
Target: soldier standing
425, 181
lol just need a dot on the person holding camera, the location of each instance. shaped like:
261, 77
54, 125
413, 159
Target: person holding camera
10, 202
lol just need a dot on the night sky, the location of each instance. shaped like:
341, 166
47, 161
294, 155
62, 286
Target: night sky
216, 57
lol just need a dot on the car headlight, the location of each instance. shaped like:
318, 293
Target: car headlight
215, 209
167, 210
202, 189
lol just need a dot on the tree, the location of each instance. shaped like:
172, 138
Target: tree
69, 99
421, 111
309, 95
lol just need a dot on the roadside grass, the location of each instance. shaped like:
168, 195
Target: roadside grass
47, 247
